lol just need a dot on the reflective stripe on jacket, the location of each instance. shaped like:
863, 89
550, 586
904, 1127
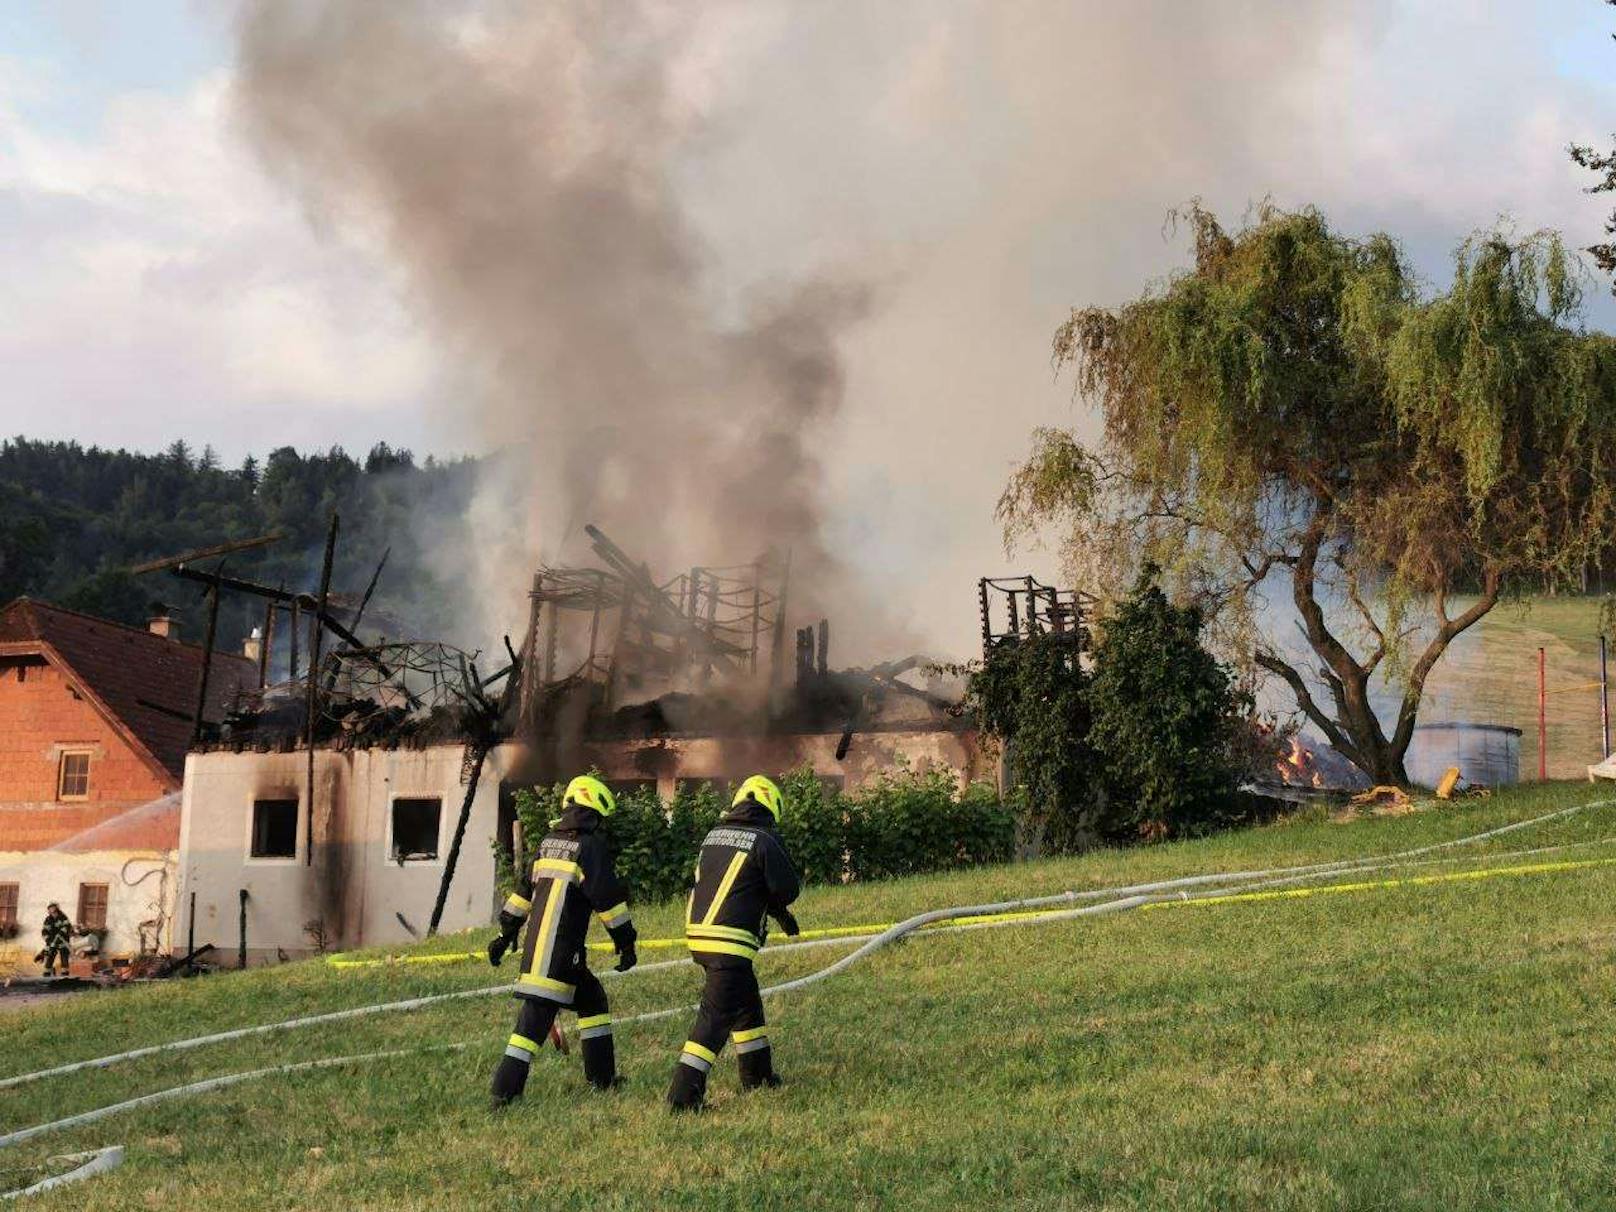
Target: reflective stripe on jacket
742, 876
57, 930
571, 876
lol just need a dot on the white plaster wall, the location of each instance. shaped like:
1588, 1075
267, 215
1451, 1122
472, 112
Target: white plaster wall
351, 885
43, 876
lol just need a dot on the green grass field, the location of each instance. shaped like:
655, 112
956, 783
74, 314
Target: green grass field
1444, 1045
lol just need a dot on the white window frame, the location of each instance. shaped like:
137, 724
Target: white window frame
387, 841
248, 858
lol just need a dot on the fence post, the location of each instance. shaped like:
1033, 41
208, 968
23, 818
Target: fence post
1542, 720
1604, 702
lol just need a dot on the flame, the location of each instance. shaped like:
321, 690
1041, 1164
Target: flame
1298, 767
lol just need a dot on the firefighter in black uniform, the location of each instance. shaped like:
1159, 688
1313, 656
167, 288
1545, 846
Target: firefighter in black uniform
571, 876
742, 878
57, 932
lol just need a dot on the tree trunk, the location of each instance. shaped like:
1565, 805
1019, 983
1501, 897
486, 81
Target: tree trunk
1353, 728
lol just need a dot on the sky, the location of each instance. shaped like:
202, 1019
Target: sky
978, 168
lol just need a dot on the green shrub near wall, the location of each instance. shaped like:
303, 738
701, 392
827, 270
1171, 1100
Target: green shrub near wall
903, 823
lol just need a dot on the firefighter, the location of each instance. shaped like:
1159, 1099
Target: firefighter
743, 877
571, 876
56, 932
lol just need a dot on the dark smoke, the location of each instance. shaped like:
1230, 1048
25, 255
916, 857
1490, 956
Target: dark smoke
516, 161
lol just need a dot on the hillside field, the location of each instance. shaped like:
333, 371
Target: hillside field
1442, 1044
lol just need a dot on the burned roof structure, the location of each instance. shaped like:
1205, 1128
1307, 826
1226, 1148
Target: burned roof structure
612, 652
600, 637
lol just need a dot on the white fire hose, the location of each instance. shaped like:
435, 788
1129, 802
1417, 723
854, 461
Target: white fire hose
96, 1161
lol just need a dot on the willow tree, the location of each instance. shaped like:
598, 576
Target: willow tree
1295, 413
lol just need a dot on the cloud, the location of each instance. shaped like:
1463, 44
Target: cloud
158, 286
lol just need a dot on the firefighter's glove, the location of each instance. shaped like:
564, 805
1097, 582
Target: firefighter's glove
787, 922
623, 938
499, 946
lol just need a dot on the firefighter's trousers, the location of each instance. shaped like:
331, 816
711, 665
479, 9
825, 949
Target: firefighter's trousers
534, 1018
731, 1008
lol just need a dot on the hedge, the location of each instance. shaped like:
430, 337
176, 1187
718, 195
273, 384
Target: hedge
904, 823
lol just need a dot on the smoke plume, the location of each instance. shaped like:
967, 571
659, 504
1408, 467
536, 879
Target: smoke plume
626, 227
517, 162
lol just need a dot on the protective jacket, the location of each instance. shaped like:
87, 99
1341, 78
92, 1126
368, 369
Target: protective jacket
571, 877
742, 876
57, 931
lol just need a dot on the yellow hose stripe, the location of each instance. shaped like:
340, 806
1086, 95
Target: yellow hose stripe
1232, 898
1415, 881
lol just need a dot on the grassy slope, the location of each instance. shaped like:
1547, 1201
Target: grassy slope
1399, 1048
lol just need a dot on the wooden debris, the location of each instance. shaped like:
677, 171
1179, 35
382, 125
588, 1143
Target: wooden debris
1384, 799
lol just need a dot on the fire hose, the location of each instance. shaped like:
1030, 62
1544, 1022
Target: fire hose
96, 1161
987, 917
1006, 913
830, 936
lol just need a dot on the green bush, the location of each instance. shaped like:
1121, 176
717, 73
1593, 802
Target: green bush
904, 823
1167, 720
908, 822
1147, 740
1032, 693
815, 828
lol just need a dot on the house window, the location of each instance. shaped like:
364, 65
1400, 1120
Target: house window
8, 910
73, 776
274, 829
92, 907
415, 829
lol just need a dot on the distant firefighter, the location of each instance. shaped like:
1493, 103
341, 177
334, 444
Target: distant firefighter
56, 932
743, 877
571, 876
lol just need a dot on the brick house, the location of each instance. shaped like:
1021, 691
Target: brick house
95, 721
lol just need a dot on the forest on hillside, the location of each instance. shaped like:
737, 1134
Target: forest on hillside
73, 519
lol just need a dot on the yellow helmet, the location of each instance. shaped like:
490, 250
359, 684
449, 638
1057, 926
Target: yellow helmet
762, 791
589, 792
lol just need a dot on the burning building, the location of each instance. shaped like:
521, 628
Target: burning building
360, 801
694, 684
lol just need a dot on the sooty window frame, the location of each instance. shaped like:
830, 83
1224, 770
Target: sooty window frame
267, 840
423, 823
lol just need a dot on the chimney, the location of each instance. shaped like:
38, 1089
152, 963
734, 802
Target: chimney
165, 625
253, 646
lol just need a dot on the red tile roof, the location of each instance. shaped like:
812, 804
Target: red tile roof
148, 681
